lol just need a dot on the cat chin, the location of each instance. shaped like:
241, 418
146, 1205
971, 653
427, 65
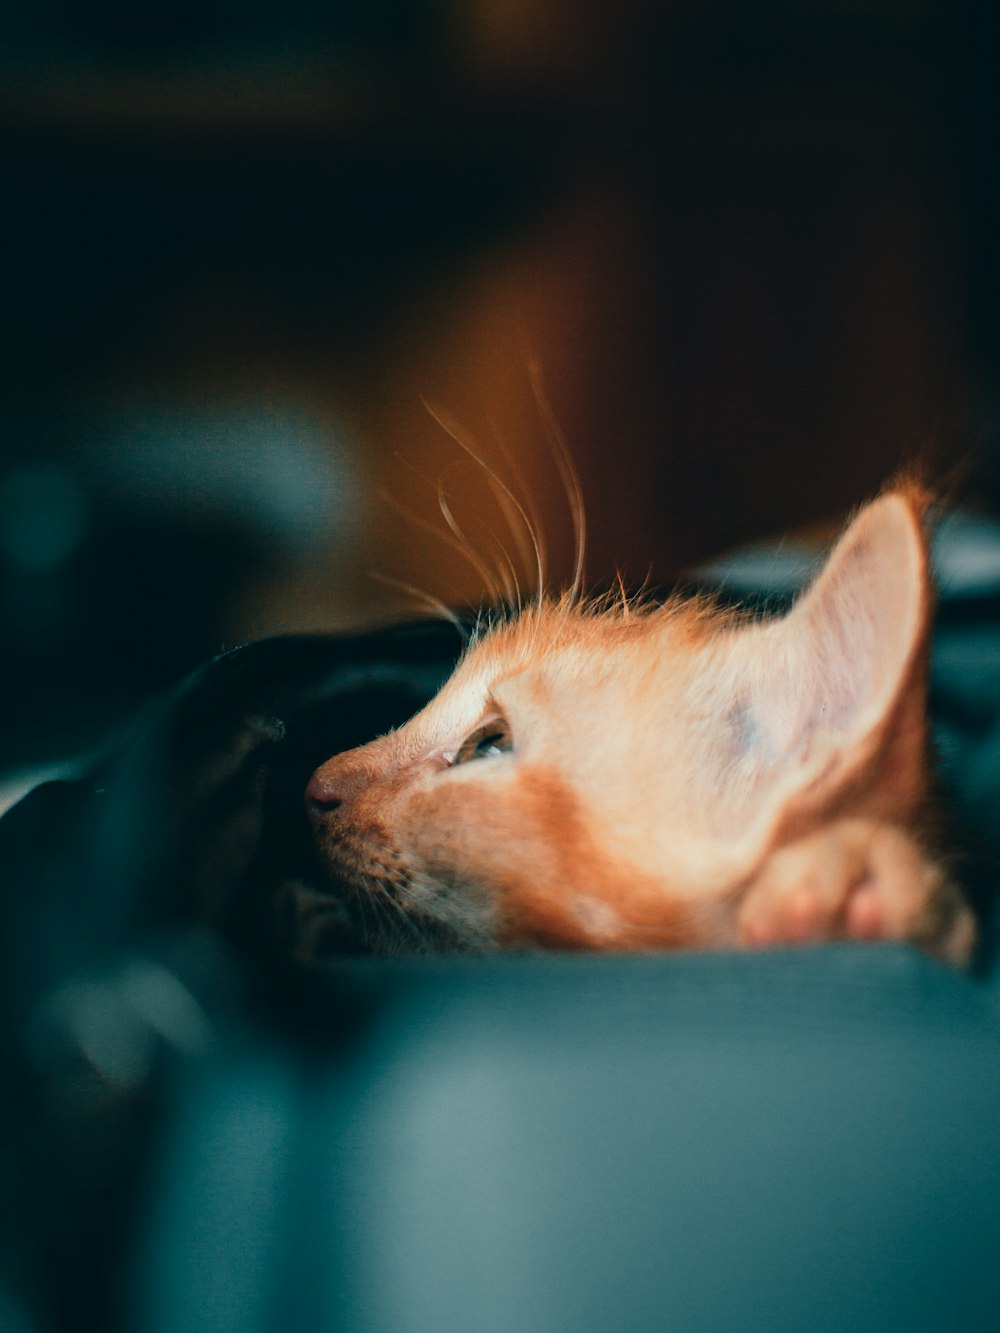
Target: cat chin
345, 916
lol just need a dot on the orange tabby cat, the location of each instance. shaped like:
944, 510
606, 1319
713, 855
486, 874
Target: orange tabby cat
676, 776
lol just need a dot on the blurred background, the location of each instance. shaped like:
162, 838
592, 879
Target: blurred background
751, 247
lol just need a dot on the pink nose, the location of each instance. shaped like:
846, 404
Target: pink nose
320, 797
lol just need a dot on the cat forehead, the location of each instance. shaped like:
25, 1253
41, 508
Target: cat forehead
572, 646
558, 662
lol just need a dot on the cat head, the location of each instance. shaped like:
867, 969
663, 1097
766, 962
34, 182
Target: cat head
609, 777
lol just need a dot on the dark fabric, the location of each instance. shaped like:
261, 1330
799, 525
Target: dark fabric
149, 873
200, 806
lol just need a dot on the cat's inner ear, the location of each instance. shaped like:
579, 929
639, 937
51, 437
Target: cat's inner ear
834, 696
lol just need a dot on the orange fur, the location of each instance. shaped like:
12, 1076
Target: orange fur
631, 776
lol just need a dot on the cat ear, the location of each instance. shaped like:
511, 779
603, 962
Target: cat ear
838, 699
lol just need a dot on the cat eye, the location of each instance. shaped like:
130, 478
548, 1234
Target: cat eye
489, 739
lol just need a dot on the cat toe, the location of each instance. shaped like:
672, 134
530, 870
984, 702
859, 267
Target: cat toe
798, 898
785, 915
864, 913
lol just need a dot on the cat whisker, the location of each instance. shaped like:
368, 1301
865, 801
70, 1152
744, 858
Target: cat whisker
508, 501
522, 517
568, 475
382, 900
381, 938
491, 583
456, 544
506, 572
426, 599
387, 937
364, 912
504, 507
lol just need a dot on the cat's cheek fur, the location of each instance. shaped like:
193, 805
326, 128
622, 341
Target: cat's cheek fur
562, 890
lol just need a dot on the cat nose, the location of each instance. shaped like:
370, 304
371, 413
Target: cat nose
321, 797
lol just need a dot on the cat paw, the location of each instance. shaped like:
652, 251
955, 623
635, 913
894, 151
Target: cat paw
855, 880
